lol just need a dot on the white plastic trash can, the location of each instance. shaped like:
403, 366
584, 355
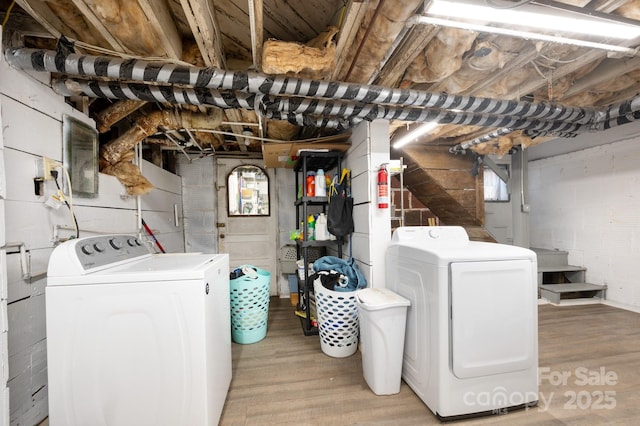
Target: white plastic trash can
383, 317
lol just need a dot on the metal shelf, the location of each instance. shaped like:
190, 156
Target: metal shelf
311, 161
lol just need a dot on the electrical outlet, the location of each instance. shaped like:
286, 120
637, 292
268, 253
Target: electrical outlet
48, 165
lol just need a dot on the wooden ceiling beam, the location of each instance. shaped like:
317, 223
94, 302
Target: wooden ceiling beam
256, 21
202, 20
97, 23
414, 43
608, 70
351, 21
44, 16
160, 19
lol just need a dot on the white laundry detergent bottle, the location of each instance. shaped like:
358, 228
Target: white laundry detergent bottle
321, 184
322, 233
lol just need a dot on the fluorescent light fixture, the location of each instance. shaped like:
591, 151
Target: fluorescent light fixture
536, 16
525, 34
414, 134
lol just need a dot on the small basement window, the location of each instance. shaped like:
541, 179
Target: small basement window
495, 189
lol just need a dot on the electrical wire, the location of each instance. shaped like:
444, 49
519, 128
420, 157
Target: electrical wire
6, 16
69, 204
103, 50
559, 61
544, 77
342, 10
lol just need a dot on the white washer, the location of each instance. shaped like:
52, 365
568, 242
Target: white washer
135, 338
471, 344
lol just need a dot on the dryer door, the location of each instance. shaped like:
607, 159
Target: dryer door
493, 317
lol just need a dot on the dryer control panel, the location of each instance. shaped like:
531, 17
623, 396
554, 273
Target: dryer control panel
431, 235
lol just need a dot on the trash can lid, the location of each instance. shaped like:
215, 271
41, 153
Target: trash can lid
373, 299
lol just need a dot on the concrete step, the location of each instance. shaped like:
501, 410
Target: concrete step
550, 258
556, 293
561, 268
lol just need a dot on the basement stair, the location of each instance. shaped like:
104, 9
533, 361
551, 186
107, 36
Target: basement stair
446, 184
560, 282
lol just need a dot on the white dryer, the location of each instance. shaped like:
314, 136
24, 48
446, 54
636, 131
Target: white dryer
471, 344
135, 338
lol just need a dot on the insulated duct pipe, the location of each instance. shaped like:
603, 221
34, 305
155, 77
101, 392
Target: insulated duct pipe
113, 151
155, 72
114, 113
618, 114
295, 110
187, 96
613, 116
460, 148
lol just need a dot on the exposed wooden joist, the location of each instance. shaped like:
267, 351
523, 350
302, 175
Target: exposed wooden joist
256, 18
351, 20
415, 41
202, 20
100, 27
234, 116
45, 17
608, 70
160, 19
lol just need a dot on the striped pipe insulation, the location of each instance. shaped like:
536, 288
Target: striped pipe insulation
288, 108
615, 115
197, 77
564, 130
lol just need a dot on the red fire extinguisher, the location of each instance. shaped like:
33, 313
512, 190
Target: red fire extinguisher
383, 187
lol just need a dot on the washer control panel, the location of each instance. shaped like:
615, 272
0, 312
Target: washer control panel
103, 250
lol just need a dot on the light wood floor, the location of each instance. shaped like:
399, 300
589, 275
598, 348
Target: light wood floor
286, 379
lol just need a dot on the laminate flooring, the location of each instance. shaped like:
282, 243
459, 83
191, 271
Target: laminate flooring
589, 357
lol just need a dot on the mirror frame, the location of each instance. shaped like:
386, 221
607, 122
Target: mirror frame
80, 142
261, 170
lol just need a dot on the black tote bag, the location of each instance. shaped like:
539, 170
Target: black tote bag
340, 215
340, 210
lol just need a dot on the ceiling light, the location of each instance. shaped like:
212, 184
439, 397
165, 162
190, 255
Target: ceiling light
536, 16
525, 34
414, 134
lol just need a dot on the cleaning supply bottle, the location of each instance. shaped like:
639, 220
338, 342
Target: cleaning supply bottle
311, 184
311, 228
321, 231
321, 184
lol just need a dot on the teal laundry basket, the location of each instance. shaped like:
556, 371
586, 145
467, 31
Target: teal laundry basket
250, 305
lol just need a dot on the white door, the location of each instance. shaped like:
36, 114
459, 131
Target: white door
247, 229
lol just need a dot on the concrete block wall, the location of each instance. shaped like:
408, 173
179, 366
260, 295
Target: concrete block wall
588, 203
199, 203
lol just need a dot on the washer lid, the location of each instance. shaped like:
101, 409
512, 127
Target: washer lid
373, 299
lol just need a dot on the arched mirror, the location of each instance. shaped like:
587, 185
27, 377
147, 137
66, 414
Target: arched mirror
248, 192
